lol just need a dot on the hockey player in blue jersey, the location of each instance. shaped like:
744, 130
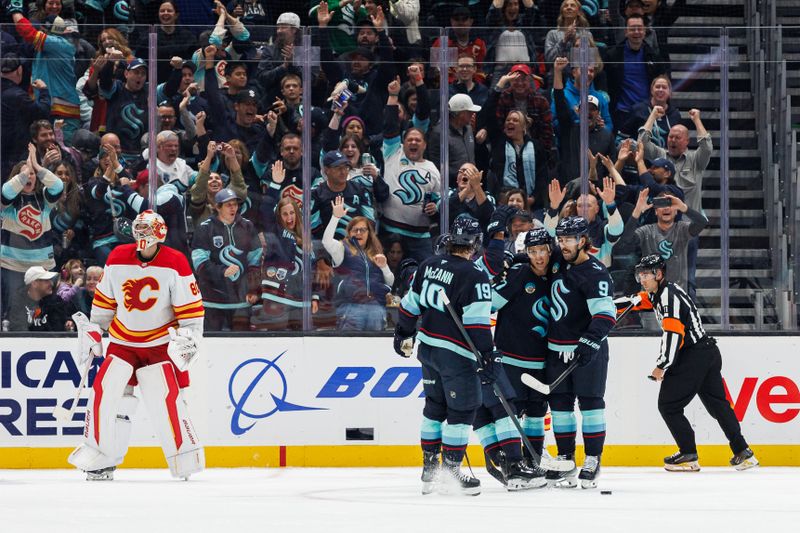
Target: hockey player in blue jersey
522, 302
582, 313
449, 368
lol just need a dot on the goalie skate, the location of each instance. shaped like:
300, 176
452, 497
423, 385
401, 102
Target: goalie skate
103, 474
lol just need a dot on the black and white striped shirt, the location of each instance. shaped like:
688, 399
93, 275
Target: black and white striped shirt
679, 320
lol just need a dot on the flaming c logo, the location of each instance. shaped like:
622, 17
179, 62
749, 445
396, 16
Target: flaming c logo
133, 293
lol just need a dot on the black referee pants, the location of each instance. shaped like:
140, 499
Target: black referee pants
697, 372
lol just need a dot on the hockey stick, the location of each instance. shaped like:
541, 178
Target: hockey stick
63, 414
559, 465
544, 389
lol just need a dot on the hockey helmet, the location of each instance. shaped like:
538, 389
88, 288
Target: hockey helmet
650, 263
149, 228
572, 227
536, 237
466, 231
440, 245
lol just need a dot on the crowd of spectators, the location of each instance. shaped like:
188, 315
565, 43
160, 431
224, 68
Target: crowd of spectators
229, 145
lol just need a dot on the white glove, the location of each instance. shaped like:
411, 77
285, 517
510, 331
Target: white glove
634, 299
566, 356
90, 343
182, 347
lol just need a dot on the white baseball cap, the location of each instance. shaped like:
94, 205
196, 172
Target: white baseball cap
593, 100
36, 272
462, 102
290, 19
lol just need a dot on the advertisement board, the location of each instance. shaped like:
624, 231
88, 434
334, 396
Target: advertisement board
301, 400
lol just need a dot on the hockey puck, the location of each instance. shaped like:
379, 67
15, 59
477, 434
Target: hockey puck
605, 492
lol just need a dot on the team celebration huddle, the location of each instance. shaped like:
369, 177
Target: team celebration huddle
554, 310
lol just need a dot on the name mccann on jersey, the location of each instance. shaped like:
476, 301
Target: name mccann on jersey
438, 274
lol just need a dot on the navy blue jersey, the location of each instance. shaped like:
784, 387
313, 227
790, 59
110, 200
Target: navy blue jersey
467, 287
523, 304
581, 303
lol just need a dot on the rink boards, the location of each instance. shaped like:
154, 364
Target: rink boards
323, 401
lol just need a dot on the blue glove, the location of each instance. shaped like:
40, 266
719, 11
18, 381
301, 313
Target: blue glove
488, 372
586, 351
14, 6
499, 219
403, 344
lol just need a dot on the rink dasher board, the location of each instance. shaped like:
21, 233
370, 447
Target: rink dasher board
294, 401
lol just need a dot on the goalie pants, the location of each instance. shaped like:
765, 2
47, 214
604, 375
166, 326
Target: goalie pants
140, 357
697, 371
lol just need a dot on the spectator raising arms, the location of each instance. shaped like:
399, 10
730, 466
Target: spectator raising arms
27, 200
363, 275
281, 303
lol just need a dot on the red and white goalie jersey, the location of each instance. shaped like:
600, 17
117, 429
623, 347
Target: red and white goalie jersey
137, 301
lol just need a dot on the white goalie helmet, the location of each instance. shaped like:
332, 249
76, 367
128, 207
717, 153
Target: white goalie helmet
148, 229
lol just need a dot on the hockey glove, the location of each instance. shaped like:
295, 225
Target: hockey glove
499, 220
403, 345
586, 351
488, 371
182, 347
90, 335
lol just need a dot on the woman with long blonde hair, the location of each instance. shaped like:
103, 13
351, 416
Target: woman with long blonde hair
364, 276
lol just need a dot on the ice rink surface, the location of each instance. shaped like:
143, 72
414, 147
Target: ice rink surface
313, 500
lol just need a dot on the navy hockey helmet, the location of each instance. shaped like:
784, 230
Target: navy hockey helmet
572, 227
440, 245
466, 231
536, 237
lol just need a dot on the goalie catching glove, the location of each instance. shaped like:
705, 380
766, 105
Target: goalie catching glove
182, 347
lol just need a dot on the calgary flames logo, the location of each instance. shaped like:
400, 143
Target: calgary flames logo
133, 293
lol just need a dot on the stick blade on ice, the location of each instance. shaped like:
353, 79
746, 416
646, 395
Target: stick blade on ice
535, 384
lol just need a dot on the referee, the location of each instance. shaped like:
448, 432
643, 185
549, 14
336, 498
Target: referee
688, 365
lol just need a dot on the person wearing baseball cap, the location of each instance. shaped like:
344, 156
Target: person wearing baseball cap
461, 138
659, 179
51, 313
336, 169
226, 253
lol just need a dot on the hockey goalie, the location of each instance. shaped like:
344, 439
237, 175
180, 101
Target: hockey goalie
149, 303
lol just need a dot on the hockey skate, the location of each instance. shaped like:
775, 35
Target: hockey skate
520, 476
454, 481
744, 459
497, 471
103, 474
590, 472
431, 469
563, 480
549, 463
682, 462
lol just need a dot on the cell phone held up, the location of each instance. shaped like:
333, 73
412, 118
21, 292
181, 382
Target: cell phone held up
662, 202
426, 199
342, 98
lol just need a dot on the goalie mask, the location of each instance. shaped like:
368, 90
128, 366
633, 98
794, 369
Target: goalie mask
149, 228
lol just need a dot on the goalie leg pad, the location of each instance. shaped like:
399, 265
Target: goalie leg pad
101, 444
170, 415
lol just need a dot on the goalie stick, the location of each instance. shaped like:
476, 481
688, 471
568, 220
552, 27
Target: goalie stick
61, 413
545, 389
553, 464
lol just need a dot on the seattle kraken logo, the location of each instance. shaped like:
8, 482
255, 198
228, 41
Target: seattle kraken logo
410, 191
227, 257
558, 309
268, 375
134, 127
665, 249
541, 312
